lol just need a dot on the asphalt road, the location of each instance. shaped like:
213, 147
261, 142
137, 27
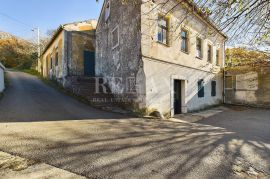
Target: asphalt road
39, 123
29, 100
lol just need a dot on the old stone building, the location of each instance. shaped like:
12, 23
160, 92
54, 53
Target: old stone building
248, 85
70, 53
165, 55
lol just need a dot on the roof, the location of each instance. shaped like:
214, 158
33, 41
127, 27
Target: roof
59, 30
196, 10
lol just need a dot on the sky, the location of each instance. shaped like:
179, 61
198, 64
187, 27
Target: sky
18, 17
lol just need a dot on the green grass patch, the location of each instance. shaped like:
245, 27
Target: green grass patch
31, 72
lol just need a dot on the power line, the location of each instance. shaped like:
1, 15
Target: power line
14, 19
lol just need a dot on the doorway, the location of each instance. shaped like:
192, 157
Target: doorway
89, 63
177, 97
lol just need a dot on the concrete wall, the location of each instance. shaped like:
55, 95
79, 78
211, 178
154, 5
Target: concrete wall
248, 86
164, 62
2, 82
121, 64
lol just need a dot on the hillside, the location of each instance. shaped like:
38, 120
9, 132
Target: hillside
16, 52
5, 35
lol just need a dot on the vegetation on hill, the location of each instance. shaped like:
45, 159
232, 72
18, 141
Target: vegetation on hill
17, 53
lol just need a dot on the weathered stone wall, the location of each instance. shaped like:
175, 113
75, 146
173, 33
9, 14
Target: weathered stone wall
248, 86
165, 62
80, 42
2, 81
121, 65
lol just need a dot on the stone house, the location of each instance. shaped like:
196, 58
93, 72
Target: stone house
164, 55
70, 52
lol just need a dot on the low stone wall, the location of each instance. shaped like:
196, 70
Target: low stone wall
248, 86
2, 82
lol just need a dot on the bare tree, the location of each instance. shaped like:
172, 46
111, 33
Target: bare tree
244, 21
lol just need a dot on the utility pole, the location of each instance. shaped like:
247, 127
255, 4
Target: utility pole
38, 46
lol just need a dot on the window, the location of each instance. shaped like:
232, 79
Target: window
51, 62
107, 11
213, 88
184, 41
163, 30
199, 47
115, 37
201, 88
217, 57
229, 82
209, 53
56, 59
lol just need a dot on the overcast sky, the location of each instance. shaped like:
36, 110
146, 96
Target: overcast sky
18, 16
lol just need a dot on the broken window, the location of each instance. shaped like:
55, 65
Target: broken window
107, 11
115, 37
209, 53
184, 41
201, 88
163, 30
199, 47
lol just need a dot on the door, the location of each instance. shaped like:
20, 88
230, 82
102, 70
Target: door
177, 96
89, 63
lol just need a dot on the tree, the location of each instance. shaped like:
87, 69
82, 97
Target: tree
243, 57
245, 21
17, 53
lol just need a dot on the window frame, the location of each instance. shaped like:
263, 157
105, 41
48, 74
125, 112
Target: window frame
186, 40
201, 48
209, 55
163, 28
117, 44
201, 92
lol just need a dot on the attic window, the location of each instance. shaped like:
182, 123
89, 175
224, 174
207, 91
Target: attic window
107, 11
